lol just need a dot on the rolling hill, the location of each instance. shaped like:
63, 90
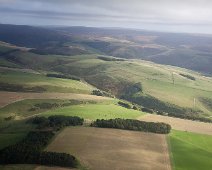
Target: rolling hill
191, 51
150, 85
101, 73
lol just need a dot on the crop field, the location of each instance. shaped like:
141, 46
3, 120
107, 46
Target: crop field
96, 111
190, 151
180, 124
105, 149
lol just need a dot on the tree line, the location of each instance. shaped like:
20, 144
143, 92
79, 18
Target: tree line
155, 104
188, 76
190, 117
152, 104
124, 104
29, 151
57, 121
130, 124
101, 93
63, 76
110, 58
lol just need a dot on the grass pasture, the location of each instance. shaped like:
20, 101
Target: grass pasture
51, 84
12, 97
105, 149
29, 107
156, 79
13, 131
190, 151
114, 76
96, 111
26, 108
91, 108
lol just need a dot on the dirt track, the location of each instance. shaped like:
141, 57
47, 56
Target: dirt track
113, 149
180, 124
10, 97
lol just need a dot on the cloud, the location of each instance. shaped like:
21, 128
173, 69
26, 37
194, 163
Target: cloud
120, 13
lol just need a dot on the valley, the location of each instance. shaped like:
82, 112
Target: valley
102, 74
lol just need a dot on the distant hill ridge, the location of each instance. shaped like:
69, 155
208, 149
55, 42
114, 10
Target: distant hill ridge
189, 51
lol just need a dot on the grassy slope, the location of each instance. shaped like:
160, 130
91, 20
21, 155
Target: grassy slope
190, 151
156, 79
96, 111
49, 83
21, 109
5, 47
115, 75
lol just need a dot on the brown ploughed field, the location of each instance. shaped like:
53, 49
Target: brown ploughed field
180, 124
100, 148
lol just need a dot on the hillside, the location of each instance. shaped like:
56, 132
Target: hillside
58, 86
40, 40
191, 51
154, 86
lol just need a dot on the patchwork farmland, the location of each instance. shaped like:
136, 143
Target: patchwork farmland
74, 77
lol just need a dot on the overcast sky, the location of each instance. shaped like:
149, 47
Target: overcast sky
162, 15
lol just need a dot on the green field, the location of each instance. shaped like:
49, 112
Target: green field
49, 83
155, 79
96, 111
25, 108
190, 151
14, 129
115, 76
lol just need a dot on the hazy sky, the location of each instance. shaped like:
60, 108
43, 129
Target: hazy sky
162, 15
